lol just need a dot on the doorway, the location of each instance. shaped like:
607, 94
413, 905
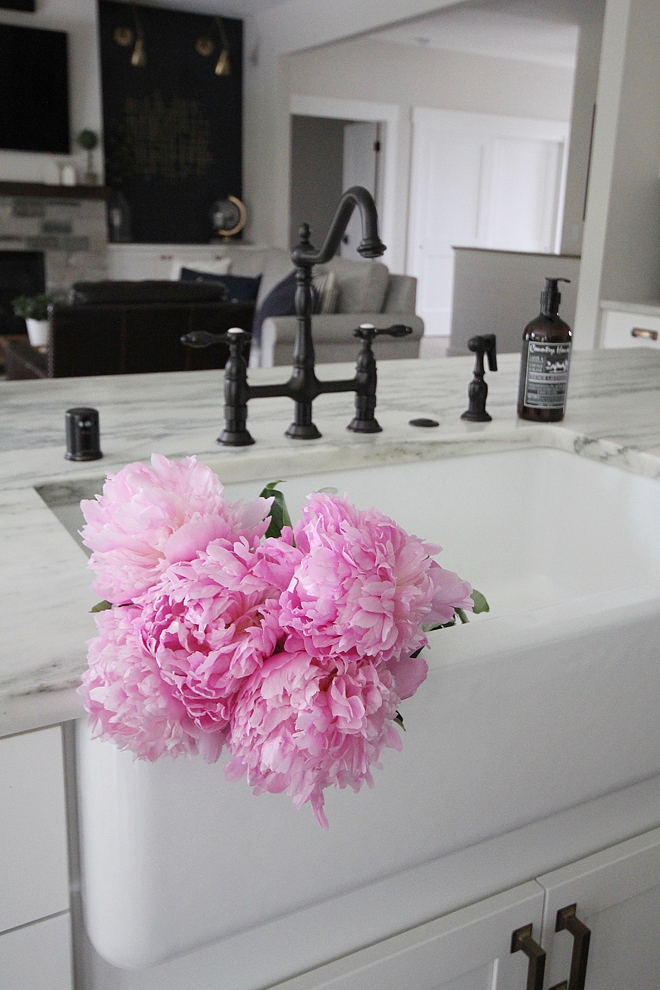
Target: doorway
328, 156
336, 144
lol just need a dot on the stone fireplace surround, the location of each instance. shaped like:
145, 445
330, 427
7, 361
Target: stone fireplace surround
67, 223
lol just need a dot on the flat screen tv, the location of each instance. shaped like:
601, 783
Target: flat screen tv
34, 90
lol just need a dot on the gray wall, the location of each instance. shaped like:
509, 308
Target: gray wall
499, 292
317, 162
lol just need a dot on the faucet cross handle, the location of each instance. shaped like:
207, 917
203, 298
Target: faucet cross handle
367, 331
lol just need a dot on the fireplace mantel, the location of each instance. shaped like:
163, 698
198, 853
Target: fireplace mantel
53, 191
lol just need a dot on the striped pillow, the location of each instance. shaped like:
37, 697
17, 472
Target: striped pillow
327, 292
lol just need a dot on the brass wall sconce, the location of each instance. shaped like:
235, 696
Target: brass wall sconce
204, 46
123, 36
139, 56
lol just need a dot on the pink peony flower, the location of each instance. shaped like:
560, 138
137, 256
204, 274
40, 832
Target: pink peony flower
363, 586
299, 727
150, 517
127, 699
295, 651
208, 624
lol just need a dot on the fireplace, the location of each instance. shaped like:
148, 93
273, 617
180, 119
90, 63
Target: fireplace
50, 237
22, 273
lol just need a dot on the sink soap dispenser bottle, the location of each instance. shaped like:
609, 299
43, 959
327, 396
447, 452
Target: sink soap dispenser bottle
545, 359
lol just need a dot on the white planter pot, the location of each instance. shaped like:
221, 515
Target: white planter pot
37, 332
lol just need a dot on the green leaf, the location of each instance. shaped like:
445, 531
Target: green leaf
438, 625
480, 603
279, 514
462, 616
398, 718
101, 607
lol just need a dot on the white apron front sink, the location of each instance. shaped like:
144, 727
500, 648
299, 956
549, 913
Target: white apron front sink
549, 701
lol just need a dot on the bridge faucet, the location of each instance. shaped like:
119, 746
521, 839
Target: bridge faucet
303, 386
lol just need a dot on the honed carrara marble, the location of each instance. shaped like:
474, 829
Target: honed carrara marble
613, 415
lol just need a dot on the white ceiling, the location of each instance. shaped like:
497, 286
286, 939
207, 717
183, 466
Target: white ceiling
542, 31
492, 31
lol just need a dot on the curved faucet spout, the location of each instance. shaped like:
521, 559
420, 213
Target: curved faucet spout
370, 246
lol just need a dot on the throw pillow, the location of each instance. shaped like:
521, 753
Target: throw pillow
362, 284
240, 288
280, 301
327, 291
219, 266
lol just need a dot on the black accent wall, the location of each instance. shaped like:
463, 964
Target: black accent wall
172, 128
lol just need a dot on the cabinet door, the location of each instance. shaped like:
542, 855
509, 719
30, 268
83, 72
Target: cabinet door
34, 879
617, 895
469, 949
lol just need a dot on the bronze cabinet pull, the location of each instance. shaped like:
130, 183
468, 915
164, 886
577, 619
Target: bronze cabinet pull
522, 939
567, 920
644, 334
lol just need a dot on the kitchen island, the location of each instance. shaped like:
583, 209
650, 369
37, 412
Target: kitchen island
613, 416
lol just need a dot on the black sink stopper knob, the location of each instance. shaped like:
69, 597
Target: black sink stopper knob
478, 389
83, 440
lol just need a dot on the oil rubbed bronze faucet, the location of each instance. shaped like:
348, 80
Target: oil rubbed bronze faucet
303, 386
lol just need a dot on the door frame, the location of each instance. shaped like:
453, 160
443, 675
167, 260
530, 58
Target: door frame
382, 113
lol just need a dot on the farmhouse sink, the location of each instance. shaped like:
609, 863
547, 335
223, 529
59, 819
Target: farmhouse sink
548, 701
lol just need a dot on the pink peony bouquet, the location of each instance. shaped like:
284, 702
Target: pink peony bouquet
223, 626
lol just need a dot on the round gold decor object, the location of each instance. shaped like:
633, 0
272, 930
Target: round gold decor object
228, 216
123, 36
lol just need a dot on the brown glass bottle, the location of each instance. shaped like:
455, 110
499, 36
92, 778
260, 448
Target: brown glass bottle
545, 360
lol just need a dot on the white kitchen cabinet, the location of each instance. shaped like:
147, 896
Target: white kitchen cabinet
37, 957
33, 850
631, 328
34, 881
616, 893
469, 949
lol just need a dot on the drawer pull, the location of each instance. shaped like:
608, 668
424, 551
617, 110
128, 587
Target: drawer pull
167, 257
567, 920
522, 939
644, 334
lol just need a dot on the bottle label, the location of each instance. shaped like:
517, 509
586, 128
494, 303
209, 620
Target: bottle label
545, 374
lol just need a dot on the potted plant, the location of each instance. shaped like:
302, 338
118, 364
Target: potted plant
34, 310
88, 140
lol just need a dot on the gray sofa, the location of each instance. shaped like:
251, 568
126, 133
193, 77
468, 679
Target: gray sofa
367, 293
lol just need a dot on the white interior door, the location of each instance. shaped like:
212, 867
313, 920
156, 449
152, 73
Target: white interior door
524, 191
361, 149
478, 180
617, 895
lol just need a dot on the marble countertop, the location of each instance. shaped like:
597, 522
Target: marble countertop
613, 414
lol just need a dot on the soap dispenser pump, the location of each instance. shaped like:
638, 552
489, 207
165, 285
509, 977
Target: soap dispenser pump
545, 359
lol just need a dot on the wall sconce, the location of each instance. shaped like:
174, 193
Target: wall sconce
204, 46
138, 56
124, 36
223, 65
